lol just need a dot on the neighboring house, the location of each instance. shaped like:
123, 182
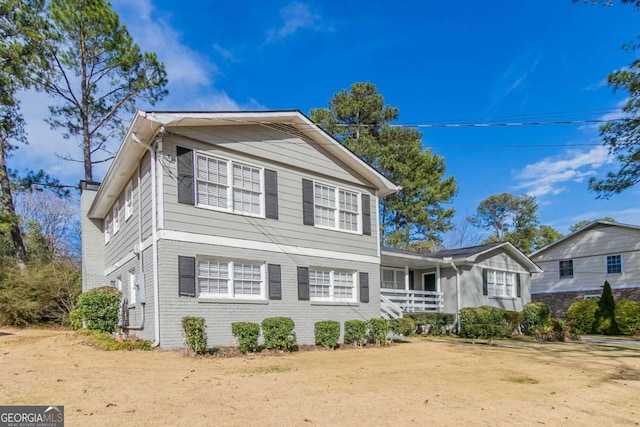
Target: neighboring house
233, 216
576, 266
495, 274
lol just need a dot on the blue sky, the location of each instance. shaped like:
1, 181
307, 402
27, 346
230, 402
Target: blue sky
456, 62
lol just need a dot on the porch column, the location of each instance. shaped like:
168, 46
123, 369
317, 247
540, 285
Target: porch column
406, 277
438, 278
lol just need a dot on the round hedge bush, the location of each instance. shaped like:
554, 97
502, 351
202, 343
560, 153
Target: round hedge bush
627, 314
582, 315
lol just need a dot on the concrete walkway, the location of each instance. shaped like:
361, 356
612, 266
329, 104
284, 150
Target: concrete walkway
602, 339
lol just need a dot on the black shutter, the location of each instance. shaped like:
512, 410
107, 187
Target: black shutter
271, 193
275, 281
185, 175
485, 288
307, 202
366, 214
364, 286
186, 276
518, 286
412, 283
303, 283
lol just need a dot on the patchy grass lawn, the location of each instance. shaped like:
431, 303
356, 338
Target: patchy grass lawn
421, 383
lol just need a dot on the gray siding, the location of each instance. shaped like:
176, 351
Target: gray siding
145, 195
92, 242
589, 250
289, 228
124, 240
219, 316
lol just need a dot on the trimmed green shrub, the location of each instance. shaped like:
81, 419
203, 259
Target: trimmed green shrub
327, 333
404, 326
514, 320
605, 321
194, 334
355, 332
246, 334
535, 316
582, 314
433, 323
483, 322
278, 333
627, 314
378, 329
97, 310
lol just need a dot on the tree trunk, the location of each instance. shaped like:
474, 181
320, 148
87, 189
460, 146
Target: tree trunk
6, 201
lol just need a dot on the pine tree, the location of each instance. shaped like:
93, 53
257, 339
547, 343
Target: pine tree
605, 322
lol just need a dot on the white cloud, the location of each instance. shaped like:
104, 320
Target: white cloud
549, 175
296, 16
224, 53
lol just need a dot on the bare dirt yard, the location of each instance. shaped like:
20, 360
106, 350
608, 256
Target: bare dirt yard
419, 383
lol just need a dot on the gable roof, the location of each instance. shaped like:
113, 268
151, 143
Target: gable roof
146, 125
466, 255
582, 230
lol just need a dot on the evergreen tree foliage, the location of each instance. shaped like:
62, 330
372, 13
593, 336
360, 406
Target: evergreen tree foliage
514, 219
98, 74
605, 321
360, 120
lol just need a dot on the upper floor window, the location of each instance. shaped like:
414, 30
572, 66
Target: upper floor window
332, 285
500, 283
116, 217
108, 224
614, 264
128, 203
228, 185
566, 268
336, 207
230, 279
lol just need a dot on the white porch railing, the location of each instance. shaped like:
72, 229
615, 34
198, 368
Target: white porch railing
413, 301
389, 309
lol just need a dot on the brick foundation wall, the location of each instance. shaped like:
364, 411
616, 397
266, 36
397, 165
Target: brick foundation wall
559, 302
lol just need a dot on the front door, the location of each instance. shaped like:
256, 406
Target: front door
429, 282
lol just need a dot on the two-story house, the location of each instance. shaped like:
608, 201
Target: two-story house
576, 266
233, 216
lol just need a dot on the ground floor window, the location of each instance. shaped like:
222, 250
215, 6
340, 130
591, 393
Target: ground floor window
332, 285
221, 278
500, 283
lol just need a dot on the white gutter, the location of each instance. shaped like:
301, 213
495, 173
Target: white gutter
450, 261
154, 242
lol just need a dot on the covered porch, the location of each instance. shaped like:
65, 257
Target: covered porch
410, 283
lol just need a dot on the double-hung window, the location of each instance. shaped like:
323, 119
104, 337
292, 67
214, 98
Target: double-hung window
392, 278
336, 208
332, 285
108, 224
230, 279
614, 264
229, 185
566, 268
128, 207
116, 217
501, 283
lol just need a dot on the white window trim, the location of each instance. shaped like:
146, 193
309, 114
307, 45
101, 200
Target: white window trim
230, 289
133, 285
560, 276
514, 284
116, 217
128, 201
606, 264
107, 224
337, 208
230, 163
395, 270
332, 298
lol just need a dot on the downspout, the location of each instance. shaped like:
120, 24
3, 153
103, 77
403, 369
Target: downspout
154, 241
450, 261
